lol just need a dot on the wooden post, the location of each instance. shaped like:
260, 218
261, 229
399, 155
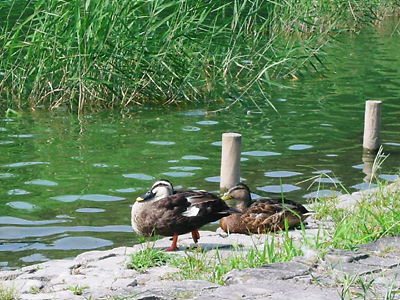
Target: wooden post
230, 160
368, 160
372, 125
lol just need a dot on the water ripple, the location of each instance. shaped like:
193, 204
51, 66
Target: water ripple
127, 190
7, 175
218, 143
22, 135
89, 210
26, 163
162, 143
21, 205
185, 168
389, 177
213, 179
67, 243
299, 147
37, 257
277, 189
364, 186
392, 144
194, 157
326, 171
327, 180
18, 192
194, 113
139, 176
207, 122
42, 182
18, 221
191, 128
260, 153
89, 197
178, 174
282, 174
14, 232
322, 194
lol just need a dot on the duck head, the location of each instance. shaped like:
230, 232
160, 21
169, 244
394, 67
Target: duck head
240, 193
159, 190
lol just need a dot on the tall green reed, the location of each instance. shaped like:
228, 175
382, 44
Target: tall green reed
90, 54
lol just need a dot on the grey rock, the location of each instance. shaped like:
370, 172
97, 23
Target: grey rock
353, 268
381, 261
387, 245
275, 289
336, 255
280, 271
185, 289
10, 275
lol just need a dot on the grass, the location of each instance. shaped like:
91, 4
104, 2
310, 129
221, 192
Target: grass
373, 217
198, 265
90, 55
147, 258
8, 293
367, 222
77, 289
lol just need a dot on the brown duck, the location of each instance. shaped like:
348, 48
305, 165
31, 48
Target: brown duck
167, 212
262, 216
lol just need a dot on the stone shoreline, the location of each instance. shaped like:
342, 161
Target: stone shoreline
103, 275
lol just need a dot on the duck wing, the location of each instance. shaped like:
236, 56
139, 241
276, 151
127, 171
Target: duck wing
283, 203
272, 215
185, 211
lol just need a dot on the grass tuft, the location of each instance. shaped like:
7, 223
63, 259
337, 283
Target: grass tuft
201, 265
77, 289
8, 293
147, 258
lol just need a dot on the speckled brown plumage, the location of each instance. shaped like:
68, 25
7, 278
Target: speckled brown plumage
264, 215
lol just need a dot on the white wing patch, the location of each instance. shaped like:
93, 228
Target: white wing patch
191, 211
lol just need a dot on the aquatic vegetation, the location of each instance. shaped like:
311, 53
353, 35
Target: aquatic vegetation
113, 54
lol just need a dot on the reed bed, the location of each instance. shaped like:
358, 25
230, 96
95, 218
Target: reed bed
96, 54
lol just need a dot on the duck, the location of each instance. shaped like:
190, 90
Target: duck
263, 215
168, 212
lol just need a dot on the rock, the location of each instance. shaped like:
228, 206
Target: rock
276, 290
104, 275
276, 271
336, 256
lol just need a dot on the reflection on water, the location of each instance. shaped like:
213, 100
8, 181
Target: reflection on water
67, 184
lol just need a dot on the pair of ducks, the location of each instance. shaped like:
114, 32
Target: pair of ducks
165, 211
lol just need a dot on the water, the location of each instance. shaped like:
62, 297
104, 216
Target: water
67, 183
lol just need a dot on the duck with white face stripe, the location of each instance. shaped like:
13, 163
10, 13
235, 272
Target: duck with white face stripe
167, 212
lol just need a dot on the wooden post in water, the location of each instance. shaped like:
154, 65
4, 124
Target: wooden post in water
230, 160
372, 125
368, 168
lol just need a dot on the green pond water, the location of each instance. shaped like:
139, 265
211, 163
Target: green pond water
67, 184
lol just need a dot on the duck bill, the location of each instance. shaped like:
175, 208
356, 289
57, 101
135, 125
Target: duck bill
146, 196
226, 196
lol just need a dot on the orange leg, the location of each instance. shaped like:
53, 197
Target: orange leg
173, 245
195, 236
